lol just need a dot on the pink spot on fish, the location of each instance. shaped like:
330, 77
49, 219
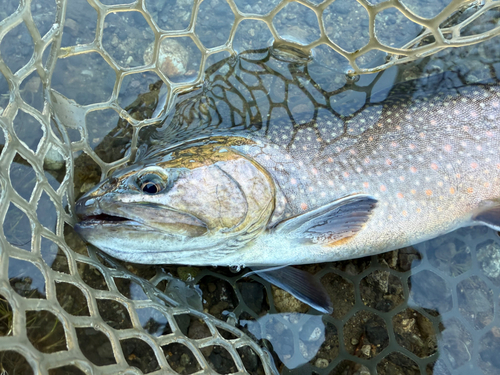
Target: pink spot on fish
400, 195
314, 171
413, 169
346, 174
412, 146
388, 161
293, 181
434, 166
366, 184
447, 148
303, 206
383, 188
473, 165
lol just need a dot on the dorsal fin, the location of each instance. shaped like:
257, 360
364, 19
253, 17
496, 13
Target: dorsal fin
332, 222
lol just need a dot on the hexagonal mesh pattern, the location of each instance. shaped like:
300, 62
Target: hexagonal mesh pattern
398, 312
68, 311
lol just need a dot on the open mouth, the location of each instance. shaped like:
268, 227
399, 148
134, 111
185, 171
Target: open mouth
103, 218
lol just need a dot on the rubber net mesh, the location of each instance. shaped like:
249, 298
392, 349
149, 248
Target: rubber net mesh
69, 309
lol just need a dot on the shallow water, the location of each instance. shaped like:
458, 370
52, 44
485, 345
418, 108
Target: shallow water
397, 313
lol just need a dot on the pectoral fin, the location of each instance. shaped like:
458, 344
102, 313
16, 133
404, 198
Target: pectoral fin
489, 216
330, 223
300, 284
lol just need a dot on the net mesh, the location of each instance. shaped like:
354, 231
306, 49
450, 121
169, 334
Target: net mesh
68, 309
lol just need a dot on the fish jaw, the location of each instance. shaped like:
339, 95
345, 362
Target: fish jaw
133, 242
127, 229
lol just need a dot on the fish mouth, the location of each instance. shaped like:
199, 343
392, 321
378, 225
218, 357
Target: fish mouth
90, 213
102, 219
98, 216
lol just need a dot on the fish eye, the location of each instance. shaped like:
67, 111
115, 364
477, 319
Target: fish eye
151, 183
150, 187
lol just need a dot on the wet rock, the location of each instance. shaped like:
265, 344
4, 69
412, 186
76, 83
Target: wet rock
285, 302
407, 257
53, 160
218, 308
321, 363
173, 58
488, 257
199, 330
253, 294
187, 273
376, 334
366, 350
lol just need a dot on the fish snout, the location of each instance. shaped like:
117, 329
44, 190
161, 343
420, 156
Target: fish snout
87, 206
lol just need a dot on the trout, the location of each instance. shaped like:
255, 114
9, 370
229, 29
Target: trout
395, 174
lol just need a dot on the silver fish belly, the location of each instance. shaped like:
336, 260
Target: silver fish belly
334, 188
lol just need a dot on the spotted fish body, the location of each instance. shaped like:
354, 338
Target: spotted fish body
393, 175
432, 164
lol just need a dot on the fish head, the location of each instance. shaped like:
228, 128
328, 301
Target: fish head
193, 206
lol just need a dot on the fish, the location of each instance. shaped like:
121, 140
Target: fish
396, 173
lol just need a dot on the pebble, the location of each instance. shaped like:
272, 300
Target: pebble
321, 363
173, 58
285, 302
53, 160
366, 350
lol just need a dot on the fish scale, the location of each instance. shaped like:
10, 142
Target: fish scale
429, 162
